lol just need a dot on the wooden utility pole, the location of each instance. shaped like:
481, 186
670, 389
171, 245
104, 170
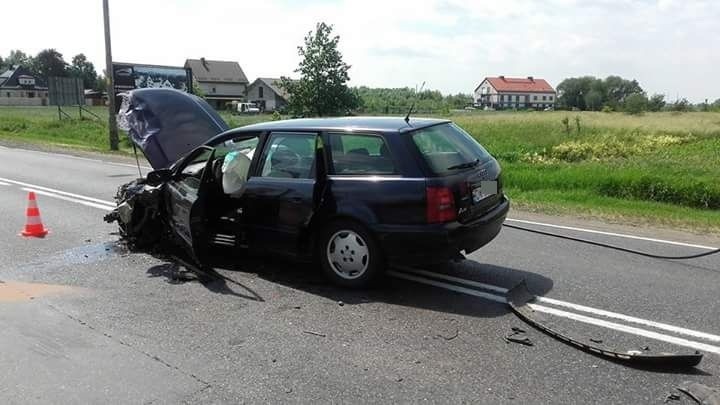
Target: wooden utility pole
112, 123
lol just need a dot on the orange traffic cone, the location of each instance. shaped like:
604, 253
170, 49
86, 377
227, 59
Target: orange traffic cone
33, 225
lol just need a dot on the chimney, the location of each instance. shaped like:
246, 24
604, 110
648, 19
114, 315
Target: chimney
204, 63
501, 77
530, 78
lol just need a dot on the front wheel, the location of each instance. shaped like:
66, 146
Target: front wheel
349, 255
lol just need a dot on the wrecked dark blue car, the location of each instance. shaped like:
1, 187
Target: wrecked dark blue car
354, 194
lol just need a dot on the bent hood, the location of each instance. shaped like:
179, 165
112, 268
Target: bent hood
166, 124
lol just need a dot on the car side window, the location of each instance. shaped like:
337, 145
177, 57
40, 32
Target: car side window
289, 155
360, 154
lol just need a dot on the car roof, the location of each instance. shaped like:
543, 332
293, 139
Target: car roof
375, 124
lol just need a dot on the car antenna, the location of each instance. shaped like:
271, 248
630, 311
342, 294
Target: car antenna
407, 117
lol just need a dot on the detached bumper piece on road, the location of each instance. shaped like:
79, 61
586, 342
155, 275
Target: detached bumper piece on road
519, 297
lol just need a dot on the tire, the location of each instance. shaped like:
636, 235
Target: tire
349, 255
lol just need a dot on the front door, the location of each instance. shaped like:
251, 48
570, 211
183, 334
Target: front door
280, 198
185, 201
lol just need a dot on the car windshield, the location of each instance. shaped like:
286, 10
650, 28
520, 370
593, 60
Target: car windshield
447, 148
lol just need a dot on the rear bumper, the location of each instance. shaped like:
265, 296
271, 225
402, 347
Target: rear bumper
416, 244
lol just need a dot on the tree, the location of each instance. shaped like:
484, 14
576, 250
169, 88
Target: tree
594, 100
18, 57
635, 103
84, 69
656, 102
49, 63
2, 65
321, 89
681, 105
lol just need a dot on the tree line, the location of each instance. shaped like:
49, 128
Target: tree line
50, 63
615, 93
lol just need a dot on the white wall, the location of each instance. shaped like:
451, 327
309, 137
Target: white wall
225, 89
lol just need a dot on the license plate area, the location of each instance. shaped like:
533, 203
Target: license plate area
485, 189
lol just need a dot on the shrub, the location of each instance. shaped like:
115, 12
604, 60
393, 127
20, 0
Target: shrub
607, 109
636, 104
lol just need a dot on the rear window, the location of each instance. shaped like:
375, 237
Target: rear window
447, 148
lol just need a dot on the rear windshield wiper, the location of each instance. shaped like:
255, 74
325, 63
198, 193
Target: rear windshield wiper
465, 165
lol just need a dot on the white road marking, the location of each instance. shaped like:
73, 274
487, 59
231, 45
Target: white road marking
64, 193
565, 314
75, 200
3, 184
619, 235
627, 329
576, 307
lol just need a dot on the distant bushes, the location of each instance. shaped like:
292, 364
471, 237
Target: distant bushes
679, 191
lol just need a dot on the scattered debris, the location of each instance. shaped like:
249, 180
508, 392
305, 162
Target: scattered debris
400, 379
596, 340
309, 332
289, 391
451, 336
518, 336
702, 394
341, 303
672, 397
297, 307
518, 297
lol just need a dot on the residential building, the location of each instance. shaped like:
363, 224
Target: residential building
18, 86
507, 92
267, 94
221, 82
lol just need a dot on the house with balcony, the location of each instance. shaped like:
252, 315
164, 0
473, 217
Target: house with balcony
19, 87
514, 93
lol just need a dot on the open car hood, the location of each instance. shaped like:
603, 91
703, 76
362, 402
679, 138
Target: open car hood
166, 124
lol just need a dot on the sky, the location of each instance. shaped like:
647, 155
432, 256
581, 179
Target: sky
671, 47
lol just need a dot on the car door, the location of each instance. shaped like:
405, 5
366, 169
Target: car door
186, 202
281, 196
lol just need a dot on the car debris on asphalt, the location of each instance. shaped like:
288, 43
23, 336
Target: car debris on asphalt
518, 299
700, 393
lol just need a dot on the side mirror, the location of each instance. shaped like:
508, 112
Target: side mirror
159, 176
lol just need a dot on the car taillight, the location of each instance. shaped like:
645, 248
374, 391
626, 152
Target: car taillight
440, 205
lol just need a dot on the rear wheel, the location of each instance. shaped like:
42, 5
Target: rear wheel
349, 255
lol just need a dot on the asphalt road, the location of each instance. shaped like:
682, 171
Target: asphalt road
84, 321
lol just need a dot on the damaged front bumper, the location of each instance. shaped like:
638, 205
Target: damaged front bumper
139, 213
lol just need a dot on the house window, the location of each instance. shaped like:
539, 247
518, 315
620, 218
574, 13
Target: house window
260, 92
550, 98
544, 98
31, 94
535, 97
8, 94
213, 89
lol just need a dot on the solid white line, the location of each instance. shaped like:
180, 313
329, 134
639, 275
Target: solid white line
627, 329
3, 184
65, 193
577, 317
62, 197
576, 307
619, 235
447, 286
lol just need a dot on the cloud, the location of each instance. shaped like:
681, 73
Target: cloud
668, 45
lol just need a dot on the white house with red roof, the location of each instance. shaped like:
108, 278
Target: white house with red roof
509, 92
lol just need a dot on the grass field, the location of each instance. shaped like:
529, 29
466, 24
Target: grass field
659, 168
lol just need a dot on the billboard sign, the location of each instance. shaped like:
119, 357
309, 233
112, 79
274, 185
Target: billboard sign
130, 76
66, 91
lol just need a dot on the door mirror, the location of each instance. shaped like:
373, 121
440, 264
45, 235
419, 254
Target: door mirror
159, 176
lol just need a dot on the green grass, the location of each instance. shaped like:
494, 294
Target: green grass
660, 168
